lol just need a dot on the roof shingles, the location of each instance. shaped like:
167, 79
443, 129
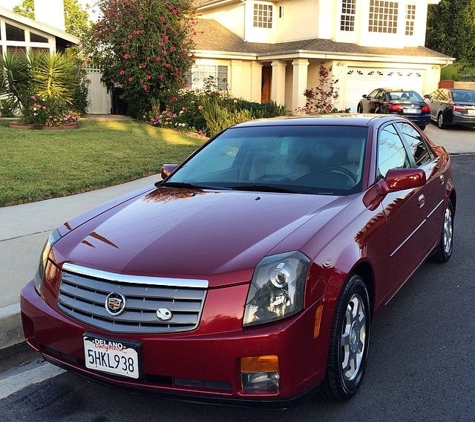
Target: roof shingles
211, 36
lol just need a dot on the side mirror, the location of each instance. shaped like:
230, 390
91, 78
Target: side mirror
400, 179
168, 169
395, 180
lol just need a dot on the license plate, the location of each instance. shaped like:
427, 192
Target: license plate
412, 111
471, 112
112, 356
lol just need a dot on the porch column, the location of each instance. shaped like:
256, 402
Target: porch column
236, 79
299, 83
278, 81
256, 82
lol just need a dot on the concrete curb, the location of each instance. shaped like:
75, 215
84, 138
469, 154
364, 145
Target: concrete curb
10, 321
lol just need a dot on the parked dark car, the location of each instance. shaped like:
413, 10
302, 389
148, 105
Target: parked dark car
252, 272
449, 106
402, 102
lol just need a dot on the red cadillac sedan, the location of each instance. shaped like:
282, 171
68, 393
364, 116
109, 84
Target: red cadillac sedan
252, 272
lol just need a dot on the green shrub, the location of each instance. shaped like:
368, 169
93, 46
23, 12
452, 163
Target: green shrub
220, 117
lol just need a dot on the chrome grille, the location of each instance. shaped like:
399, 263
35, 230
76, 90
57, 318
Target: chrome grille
83, 292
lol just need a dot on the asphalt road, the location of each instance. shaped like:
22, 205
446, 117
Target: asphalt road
420, 366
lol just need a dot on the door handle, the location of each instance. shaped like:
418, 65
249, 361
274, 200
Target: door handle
422, 200
442, 179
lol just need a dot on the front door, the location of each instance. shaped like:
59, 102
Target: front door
266, 84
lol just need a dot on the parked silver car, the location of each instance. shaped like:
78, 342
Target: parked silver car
451, 106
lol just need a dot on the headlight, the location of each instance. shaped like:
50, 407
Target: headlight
40, 274
277, 288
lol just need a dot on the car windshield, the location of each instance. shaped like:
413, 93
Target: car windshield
402, 96
292, 159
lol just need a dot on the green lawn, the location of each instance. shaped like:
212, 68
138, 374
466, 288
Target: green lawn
40, 164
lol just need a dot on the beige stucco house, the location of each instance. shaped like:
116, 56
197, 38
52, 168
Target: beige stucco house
272, 50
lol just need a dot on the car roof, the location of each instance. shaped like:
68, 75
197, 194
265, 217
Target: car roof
398, 89
333, 119
460, 89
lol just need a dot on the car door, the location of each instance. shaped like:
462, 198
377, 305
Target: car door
369, 101
402, 210
438, 102
377, 102
431, 196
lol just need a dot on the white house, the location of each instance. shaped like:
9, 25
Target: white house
21, 34
272, 50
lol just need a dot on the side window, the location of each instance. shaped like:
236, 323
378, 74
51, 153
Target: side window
373, 93
417, 145
391, 151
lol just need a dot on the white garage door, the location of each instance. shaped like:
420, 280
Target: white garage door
362, 80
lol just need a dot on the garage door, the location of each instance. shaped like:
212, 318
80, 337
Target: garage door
362, 80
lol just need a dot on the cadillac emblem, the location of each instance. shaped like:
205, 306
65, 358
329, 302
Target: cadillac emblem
115, 304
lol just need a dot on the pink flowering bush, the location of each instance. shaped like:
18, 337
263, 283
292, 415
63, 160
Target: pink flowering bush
144, 49
40, 112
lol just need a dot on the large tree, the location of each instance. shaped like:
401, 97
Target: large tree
451, 29
76, 18
144, 48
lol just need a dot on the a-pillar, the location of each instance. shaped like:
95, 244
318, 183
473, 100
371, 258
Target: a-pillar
299, 83
278, 81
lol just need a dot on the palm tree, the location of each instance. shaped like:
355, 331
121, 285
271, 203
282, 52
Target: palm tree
14, 81
38, 77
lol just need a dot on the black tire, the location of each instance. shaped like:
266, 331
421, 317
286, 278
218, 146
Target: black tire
359, 109
349, 342
441, 121
446, 243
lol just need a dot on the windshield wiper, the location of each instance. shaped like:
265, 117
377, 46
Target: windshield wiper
185, 185
265, 188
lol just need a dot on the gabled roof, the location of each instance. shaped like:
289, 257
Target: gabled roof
206, 4
213, 37
62, 37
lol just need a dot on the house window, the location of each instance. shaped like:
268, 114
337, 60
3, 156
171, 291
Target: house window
37, 38
347, 19
383, 16
410, 19
13, 33
262, 17
208, 76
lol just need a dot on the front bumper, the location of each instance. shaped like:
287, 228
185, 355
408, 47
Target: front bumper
195, 366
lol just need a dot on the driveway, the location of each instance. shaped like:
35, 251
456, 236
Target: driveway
456, 140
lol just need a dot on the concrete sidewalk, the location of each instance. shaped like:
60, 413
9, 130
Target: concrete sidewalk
23, 232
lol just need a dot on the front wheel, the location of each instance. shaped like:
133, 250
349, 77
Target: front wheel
446, 243
359, 109
349, 342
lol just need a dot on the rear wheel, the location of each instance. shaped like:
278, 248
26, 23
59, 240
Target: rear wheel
446, 243
349, 342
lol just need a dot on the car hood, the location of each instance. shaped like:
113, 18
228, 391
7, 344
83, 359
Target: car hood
215, 235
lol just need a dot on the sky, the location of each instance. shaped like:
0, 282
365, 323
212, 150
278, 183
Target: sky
10, 4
